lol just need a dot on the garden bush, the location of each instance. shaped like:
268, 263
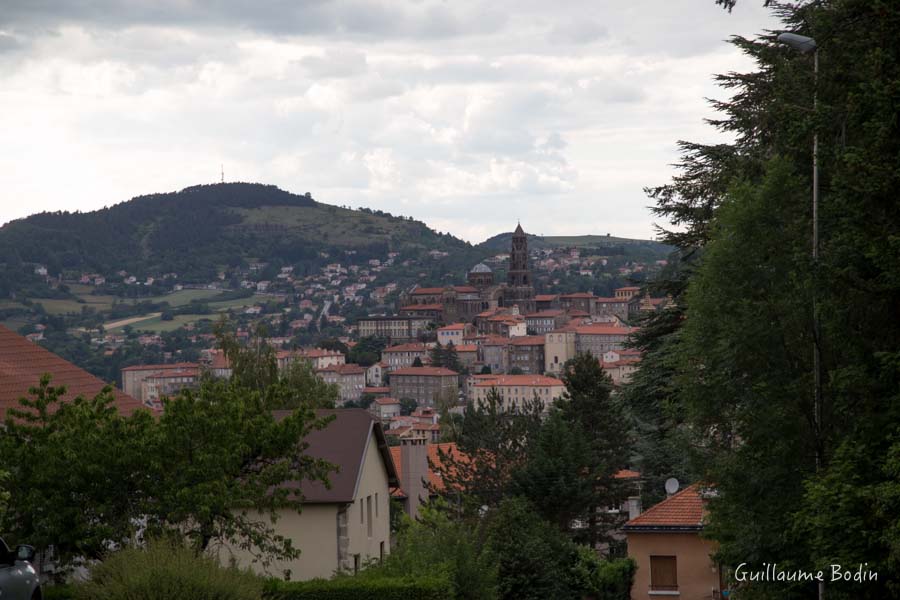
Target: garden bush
167, 571
360, 588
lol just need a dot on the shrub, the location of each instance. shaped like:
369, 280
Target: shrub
360, 588
603, 579
58, 592
167, 571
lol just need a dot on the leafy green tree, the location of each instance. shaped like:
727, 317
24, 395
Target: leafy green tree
437, 355
367, 351
436, 545
492, 443
417, 362
218, 451
534, 557
408, 406
557, 474
589, 406
78, 472
738, 357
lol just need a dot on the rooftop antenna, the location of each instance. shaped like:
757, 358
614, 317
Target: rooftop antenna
223, 172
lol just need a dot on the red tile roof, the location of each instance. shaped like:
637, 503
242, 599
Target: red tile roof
22, 363
422, 307
423, 371
683, 510
467, 348
578, 295
175, 366
604, 329
386, 401
527, 340
412, 347
465, 289
518, 380
348, 369
546, 297
453, 327
424, 291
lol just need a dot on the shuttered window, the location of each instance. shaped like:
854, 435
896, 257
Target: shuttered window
663, 573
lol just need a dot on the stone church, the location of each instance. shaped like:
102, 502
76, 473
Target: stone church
463, 302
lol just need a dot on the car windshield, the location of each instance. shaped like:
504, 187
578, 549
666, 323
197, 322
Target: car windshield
5, 555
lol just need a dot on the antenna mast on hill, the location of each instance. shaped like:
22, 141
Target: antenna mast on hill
223, 172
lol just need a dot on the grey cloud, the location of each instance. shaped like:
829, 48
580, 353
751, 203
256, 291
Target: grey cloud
335, 64
577, 31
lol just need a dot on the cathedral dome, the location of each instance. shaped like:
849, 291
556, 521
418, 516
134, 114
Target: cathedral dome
481, 268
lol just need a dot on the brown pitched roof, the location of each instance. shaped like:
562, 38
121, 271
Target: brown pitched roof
343, 442
680, 512
22, 363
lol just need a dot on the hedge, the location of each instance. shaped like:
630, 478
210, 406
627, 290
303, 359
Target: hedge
359, 588
58, 592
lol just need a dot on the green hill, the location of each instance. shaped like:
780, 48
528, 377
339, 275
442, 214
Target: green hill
601, 244
198, 230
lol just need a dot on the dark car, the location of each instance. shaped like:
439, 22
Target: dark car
18, 579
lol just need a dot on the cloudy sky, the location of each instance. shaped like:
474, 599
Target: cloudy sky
467, 115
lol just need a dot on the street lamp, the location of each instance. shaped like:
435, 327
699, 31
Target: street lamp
805, 45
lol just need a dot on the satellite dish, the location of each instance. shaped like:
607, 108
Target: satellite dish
671, 485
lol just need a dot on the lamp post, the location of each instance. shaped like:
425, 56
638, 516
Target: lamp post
805, 45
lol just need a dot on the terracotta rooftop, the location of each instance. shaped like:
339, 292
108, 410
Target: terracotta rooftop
681, 511
527, 340
386, 401
22, 363
175, 366
424, 371
453, 327
427, 291
604, 329
519, 380
413, 347
348, 369
546, 297
575, 295
422, 307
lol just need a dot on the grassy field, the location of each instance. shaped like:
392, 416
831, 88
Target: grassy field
61, 307
341, 226
153, 323
183, 297
157, 325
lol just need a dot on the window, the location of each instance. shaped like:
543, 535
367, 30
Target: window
362, 514
663, 573
376, 504
381, 551
369, 515
355, 564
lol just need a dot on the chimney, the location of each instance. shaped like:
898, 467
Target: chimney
634, 507
414, 473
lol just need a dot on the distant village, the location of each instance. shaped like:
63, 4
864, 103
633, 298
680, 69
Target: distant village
499, 334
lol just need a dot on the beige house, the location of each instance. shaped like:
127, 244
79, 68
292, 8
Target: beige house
425, 385
599, 338
341, 527
350, 379
403, 355
673, 560
559, 346
515, 390
133, 377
